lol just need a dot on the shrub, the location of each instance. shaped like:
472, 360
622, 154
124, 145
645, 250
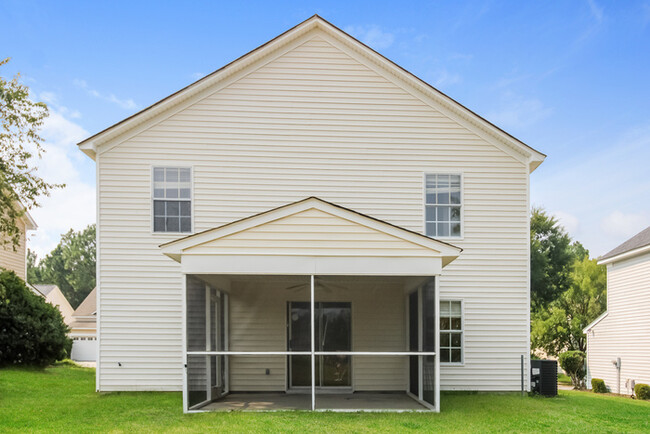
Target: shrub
32, 331
598, 385
642, 391
573, 363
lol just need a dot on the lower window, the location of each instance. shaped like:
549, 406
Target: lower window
451, 332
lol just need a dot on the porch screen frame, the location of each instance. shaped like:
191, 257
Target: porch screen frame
313, 353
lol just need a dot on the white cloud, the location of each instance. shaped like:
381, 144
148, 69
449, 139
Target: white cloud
127, 104
197, 75
446, 78
372, 36
624, 226
569, 221
604, 183
516, 111
72, 207
596, 11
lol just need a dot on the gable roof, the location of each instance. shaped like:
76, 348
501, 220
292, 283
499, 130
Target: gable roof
634, 245
87, 307
45, 289
496, 135
176, 248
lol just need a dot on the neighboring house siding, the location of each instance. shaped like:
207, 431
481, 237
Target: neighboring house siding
313, 121
59, 300
15, 260
625, 331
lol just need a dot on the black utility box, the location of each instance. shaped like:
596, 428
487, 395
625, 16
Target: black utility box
543, 377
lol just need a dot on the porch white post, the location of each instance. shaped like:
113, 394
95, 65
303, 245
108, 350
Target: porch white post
420, 346
313, 348
208, 337
437, 348
184, 340
226, 344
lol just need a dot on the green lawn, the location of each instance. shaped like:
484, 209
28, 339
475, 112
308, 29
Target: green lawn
62, 399
564, 379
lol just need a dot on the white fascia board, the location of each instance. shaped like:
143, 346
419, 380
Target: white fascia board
626, 255
175, 249
594, 322
309, 265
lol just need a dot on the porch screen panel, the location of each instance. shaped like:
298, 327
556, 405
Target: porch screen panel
197, 390
414, 382
196, 315
429, 336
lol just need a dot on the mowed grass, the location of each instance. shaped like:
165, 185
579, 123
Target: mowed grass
62, 399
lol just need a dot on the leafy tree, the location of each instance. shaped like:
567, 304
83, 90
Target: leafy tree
579, 251
560, 327
33, 272
20, 186
32, 331
573, 363
551, 256
71, 265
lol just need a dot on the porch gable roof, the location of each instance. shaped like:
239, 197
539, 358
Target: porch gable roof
311, 227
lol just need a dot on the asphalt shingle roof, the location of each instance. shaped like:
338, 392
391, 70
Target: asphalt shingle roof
45, 289
641, 239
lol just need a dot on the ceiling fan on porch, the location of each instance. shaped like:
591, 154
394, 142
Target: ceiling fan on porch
319, 284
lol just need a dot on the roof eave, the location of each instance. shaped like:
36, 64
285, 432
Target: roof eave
535, 161
89, 149
595, 322
625, 255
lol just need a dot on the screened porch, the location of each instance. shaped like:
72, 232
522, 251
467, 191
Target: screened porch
311, 342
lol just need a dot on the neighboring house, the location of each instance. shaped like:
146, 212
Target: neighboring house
16, 259
311, 218
83, 329
53, 295
618, 342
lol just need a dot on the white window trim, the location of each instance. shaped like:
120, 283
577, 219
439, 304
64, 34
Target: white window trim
462, 331
462, 202
151, 199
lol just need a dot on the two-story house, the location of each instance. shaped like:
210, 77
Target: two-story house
311, 226
618, 342
15, 257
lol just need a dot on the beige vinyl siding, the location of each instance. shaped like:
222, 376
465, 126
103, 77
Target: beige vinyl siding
312, 232
625, 331
313, 121
258, 322
15, 260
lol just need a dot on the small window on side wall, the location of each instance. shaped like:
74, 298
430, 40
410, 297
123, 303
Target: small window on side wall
443, 203
172, 199
451, 332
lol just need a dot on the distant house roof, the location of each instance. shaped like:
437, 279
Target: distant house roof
640, 240
84, 319
87, 307
35, 290
45, 289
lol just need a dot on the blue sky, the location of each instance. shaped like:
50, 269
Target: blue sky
568, 78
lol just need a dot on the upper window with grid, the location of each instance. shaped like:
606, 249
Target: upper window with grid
443, 206
172, 199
